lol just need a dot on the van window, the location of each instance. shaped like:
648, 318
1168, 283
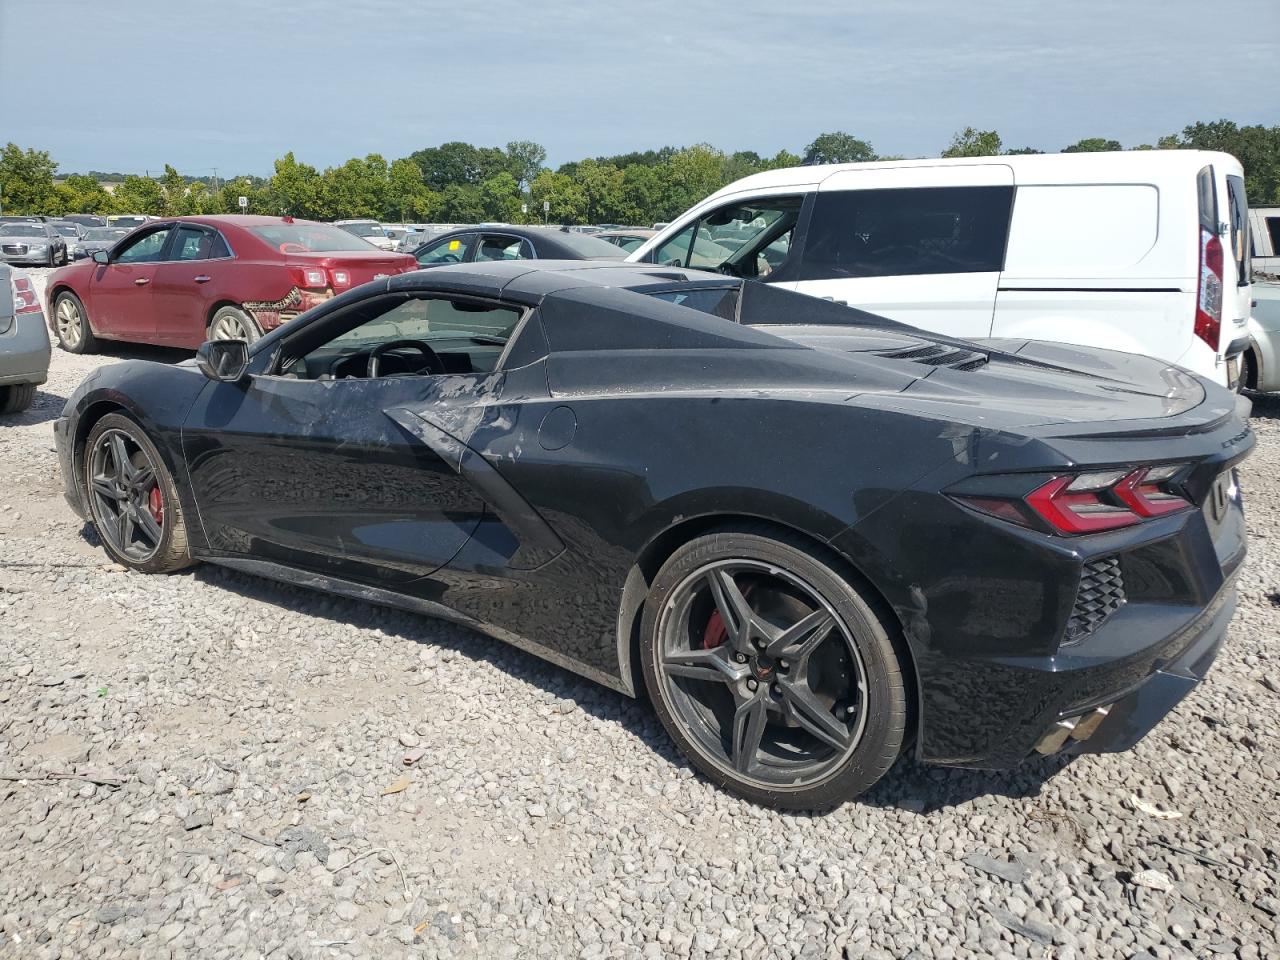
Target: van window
1273, 230
886, 233
1239, 213
1081, 230
749, 238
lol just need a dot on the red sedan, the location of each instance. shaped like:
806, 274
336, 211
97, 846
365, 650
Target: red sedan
182, 281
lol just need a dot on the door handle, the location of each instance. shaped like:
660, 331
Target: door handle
203, 278
142, 281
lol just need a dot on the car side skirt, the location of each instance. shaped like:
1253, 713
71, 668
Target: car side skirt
388, 598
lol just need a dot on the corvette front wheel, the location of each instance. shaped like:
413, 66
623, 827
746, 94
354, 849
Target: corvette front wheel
132, 499
771, 671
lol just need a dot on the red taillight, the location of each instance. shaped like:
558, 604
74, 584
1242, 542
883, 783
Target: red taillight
24, 296
311, 278
1209, 294
1075, 504
341, 278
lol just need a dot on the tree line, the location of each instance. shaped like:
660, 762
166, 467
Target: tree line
461, 183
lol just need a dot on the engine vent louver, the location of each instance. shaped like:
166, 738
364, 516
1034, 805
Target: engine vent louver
1101, 593
937, 355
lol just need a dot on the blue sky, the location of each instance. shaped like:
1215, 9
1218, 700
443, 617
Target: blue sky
132, 84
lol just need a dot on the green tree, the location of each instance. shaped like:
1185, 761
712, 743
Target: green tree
1256, 147
140, 195
500, 198
1093, 145
296, 188
1022, 151
83, 194
974, 143
461, 203
838, 147
689, 176
526, 160
26, 181
563, 192
410, 199
358, 188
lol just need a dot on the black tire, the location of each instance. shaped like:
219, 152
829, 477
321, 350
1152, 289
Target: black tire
859, 658
163, 553
71, 323
1248, 372
225, 322
53, 258
16, 397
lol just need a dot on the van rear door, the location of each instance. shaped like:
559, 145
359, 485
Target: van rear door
921, 245
1237, 298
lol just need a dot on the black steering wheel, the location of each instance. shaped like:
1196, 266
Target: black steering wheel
433, 362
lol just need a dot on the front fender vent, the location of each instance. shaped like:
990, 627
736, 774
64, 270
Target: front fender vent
1100, 594
938, 355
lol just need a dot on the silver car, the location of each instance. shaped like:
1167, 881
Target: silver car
34, 243
24, 342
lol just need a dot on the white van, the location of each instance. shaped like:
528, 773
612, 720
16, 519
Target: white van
1144, 251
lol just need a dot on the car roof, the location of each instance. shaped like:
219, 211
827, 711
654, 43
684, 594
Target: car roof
532, 280
1053, 167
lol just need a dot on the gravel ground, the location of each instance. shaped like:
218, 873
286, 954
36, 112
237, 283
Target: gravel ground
287, 775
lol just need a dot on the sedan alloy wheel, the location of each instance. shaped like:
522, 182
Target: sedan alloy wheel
69, 320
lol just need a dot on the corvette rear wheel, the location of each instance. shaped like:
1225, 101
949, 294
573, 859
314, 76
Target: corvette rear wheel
132, 499
771, 671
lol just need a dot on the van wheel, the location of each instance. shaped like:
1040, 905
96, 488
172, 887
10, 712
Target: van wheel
1248, 371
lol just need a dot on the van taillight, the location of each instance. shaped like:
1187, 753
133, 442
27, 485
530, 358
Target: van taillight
1209, 294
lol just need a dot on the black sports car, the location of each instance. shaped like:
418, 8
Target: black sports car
813, 536
488, 243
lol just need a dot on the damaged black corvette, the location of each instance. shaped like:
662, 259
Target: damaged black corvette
814, 537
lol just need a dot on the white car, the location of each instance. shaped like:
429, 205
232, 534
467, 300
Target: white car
1144, 252
370, 230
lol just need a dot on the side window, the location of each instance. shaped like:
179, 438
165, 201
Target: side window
453, 250
496, 247
146, 249
1273, 230
748, 238
192, 243
218, 249
408, 336
903, 232
718, 301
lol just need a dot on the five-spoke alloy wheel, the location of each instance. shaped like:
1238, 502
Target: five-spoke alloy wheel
69, 319
131, 498
771, 670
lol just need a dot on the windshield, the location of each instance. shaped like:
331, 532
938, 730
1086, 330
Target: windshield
21, 230
309, 238
363, 229
67, 229
592, 248
130, 221
104, 233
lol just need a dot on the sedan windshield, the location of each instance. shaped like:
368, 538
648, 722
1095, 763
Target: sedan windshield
104, 233
21, 230
309, 238
67, 229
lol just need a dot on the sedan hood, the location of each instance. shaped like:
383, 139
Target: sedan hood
1006, 384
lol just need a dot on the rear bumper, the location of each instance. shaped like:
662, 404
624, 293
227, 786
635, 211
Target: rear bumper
25, 351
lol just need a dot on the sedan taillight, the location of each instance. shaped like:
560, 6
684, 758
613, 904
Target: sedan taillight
1082, 503
311, 278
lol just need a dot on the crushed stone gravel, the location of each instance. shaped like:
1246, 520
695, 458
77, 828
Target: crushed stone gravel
200, 764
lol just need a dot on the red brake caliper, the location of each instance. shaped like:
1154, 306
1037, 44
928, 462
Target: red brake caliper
716, 632
155, 503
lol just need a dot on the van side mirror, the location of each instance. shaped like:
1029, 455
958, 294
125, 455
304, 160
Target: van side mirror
100, 256
223, 360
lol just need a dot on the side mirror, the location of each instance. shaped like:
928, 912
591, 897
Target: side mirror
224, 360
100, 256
